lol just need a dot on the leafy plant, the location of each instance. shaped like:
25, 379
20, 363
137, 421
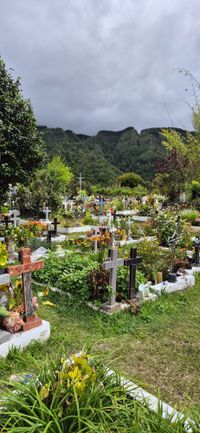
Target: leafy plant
3, 255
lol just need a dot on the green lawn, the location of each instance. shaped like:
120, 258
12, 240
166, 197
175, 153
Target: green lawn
159, 348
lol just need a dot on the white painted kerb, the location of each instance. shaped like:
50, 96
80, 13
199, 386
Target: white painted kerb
22, 339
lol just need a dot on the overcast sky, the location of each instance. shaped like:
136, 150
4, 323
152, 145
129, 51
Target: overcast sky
88, 65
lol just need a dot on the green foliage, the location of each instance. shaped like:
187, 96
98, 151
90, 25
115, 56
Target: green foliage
154, 259
195, 189
69, 273
165, 226
87, 220
77, 395
3, 255
21, 146
130, 180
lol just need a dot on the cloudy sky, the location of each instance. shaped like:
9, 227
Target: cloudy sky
103, 64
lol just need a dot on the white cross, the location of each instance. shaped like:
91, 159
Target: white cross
65, 202
47, 211
80, 181
15, 214
112, 266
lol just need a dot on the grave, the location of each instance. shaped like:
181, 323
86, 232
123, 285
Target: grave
132, 263
112, 265
15, 218
34, 328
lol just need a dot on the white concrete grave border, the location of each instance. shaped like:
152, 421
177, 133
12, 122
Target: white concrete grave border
22, 339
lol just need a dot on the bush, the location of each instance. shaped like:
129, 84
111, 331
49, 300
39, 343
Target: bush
154, 259
130, 180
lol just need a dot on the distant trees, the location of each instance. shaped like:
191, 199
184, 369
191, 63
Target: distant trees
171, 174
130, 180
47, 187
21, 146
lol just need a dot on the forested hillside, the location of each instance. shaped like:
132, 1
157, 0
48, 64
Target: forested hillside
101, 158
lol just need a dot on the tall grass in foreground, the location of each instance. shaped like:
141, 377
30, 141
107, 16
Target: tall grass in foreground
76, 397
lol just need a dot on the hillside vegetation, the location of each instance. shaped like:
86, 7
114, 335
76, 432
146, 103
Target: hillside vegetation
103, 157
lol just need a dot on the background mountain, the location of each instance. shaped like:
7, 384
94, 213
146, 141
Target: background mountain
103, 157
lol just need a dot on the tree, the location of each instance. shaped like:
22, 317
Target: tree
130, 180
171, 174
21, 146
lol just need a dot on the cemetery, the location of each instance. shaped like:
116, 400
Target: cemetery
99, 274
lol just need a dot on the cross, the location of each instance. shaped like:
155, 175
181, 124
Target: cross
109, 218
129, 229
112, 231
47, 211
196, 253
15, 214
25, 269
55, 224
101, 203
80, 178
6, 221
65, 202
112, 266
132, 262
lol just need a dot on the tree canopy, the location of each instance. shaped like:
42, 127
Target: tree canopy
21, 146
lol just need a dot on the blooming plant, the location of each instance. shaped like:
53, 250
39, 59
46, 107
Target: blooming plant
3, 255
13, 322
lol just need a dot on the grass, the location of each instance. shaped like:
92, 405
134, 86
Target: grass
158, 349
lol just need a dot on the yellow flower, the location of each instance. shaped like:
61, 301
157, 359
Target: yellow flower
44, 392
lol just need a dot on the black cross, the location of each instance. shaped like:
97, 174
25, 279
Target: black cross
55, 224
196, 253
132, 262
6, 221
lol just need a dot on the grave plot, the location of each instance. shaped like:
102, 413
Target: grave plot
19, 323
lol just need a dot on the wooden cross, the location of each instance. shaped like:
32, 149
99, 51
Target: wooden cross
55, 224
25, 269
112, 265
132, 262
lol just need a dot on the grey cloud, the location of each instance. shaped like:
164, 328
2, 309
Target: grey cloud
89, 65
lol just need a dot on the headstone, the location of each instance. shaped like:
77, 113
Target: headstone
40, 252
132, 262
25, 269
112, 265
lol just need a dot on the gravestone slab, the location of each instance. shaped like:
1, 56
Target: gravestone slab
40, 252
4, 336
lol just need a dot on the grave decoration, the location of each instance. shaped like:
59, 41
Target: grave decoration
112, 265
132, 262
55, 223
6, 221
20, 302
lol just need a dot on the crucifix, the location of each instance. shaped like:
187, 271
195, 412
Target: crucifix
112, 265
14, 219
47, 211
132, 262
25, 269
196, 251
80, 178
55, 224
